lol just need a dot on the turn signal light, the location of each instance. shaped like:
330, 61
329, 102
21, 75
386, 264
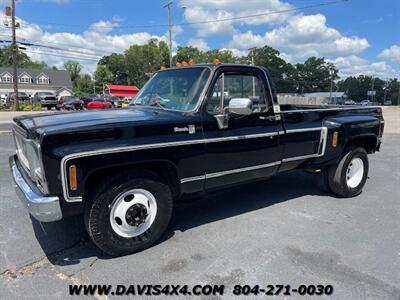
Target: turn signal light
73, 181
335, 139
216, 61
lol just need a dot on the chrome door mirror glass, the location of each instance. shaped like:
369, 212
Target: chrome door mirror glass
240, 106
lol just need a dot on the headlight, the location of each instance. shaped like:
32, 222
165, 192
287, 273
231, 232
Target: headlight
35, 162
29, 154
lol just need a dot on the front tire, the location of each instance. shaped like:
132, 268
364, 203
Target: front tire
129, 215
348, 177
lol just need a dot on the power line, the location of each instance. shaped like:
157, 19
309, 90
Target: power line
95, 51
88, 55
73, 52
61, 55
198, 22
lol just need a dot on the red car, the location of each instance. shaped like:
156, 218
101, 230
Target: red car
99, 103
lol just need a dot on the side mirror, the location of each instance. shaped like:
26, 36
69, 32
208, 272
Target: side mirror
241, 106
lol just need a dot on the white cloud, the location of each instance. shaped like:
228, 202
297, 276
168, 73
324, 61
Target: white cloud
236, 52
392, 53
199, 14
303, 36
201, 44
208, 10
354, 65
96, 41
286, 57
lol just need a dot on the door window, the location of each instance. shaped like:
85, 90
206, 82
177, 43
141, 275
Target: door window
229, 86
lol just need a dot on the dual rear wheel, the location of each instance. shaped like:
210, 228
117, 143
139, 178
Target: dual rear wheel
346, 178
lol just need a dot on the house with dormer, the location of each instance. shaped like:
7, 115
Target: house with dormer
32, 81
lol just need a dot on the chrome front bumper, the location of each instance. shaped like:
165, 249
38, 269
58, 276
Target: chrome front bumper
42, 208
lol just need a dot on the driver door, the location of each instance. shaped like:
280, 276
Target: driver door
249, 148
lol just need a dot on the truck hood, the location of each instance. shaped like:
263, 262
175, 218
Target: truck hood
68, 121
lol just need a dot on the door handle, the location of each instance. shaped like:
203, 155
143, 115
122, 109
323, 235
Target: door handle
269, 118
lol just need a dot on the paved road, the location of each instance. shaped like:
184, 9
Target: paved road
279, 231
5, 127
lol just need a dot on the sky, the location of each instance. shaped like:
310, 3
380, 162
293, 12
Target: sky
359, 36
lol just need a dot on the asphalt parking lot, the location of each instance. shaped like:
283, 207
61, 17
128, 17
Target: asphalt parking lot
280, 231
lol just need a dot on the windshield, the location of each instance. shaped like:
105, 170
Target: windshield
177, 89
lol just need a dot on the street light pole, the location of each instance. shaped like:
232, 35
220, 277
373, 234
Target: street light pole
168, 6
14, 55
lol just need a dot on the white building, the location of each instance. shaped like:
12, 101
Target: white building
31, 81
318, 98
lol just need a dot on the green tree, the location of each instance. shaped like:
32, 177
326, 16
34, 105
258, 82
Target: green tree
143, 60
282, 73
117, 66
84, 85
23, 60
185, 53
393, 91
102, 76
164, 52
225, 56
314, 75
74, 69
357, 88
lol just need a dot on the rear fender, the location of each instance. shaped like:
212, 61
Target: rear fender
358, 130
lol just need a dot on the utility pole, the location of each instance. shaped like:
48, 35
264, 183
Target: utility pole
372, 89
252, 63
168, 6
330, 95
15, 56
94, 83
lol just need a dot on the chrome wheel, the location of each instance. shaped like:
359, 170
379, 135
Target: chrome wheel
133, 212
354, 172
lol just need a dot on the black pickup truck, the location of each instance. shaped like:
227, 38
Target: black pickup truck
189, 130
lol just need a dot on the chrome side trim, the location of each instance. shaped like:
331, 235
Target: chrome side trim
143, 147
193, 142
324, 109
194, 178
321, 148
303, 129
299, 157
229, 172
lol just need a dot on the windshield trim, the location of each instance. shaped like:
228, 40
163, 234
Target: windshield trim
201, 97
